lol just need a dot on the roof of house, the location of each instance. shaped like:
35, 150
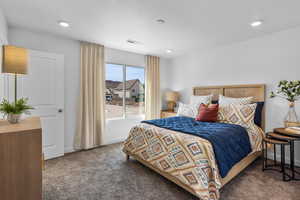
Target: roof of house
112, 84
128, 84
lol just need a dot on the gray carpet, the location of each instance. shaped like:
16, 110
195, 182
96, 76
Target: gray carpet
104, 174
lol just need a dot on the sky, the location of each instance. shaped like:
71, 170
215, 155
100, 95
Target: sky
115, 73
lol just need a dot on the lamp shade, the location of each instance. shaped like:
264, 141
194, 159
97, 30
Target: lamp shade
172, 96
15, 60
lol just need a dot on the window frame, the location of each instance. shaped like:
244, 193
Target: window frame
124, 66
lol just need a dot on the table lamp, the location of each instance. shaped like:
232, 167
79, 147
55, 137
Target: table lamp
15, 61
171, 98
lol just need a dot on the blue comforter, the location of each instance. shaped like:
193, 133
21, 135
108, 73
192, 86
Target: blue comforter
230, 142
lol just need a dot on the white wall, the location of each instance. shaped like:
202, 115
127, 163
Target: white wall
123, 57
71, 50
3, 41
165, 78
266, 60
117, 130
3, 29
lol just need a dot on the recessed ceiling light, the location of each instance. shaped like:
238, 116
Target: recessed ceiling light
256, 23
169, 51
160, 21
132, 41
64, 24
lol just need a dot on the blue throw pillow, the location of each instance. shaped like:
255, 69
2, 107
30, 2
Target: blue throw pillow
258, 112
215, 102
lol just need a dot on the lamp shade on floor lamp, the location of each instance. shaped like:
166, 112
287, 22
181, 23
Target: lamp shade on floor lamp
15, 61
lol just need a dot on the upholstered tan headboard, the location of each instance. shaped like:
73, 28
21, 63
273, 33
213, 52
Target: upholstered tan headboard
254, 90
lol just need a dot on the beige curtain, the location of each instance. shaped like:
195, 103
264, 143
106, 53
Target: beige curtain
91, 122
152, 93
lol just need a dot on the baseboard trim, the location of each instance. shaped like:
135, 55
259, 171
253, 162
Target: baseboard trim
114, 141
50, 157
69, 149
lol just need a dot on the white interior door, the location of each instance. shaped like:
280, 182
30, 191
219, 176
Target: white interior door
44, 86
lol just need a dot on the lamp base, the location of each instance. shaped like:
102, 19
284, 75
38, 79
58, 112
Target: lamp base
171, 105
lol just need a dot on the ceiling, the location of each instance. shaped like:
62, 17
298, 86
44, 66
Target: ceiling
190, 24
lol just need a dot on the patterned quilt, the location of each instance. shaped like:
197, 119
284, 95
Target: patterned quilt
230, 141
188, 158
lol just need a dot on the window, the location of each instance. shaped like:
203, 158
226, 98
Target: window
125, 91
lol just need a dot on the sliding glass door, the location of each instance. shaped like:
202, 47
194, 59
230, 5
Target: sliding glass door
125, 91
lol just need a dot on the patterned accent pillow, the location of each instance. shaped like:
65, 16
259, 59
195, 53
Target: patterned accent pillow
221, 113
187, 110
242, 115
224, 101
201, 99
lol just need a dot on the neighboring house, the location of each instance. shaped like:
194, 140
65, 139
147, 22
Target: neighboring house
134, 89
110, 86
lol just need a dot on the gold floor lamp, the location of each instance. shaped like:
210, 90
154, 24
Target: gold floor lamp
15, 61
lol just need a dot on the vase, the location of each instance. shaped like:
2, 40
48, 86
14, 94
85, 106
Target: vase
13, 118
291, 117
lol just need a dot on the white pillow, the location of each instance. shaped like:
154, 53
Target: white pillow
201, 99
188, 110
223, 101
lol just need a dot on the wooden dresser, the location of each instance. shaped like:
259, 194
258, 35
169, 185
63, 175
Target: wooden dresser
20, 160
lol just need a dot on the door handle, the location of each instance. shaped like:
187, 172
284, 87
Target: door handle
60, 110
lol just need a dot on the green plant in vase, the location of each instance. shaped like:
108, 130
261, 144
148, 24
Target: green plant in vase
289, 90
13, 111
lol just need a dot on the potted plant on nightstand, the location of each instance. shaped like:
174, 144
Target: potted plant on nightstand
13, 111
289, 90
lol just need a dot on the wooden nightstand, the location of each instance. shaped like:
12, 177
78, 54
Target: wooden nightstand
167, 113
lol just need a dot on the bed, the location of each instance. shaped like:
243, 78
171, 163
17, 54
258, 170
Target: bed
196, 172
